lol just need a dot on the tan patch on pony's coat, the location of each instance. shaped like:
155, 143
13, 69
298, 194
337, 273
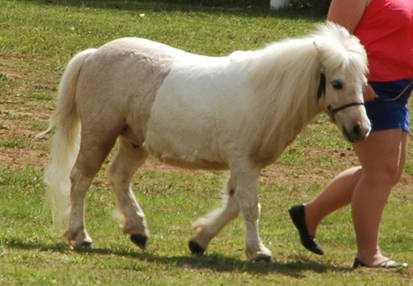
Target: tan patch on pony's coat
125, 74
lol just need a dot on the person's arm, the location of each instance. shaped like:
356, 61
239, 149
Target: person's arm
348, 13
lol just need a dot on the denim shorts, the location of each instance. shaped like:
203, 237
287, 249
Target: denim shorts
389, 115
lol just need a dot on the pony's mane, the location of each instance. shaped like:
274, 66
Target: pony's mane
341, 49
336, 48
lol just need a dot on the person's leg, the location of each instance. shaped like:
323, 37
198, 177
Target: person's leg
336, 195
382, 156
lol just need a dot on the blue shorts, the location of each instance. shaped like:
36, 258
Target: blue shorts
389, 115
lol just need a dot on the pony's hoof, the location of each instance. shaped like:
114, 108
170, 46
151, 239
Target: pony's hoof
263, 258
83, 245
139, 239
195, 247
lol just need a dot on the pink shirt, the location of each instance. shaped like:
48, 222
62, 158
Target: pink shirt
386, 31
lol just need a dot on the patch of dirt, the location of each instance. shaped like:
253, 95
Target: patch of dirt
19, 157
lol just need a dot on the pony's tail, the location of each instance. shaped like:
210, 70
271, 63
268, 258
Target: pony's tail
65, 143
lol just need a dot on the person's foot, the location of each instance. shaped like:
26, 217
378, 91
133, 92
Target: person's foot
386, 263
297, 214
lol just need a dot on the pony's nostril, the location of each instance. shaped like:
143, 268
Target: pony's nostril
357, 129
361, 131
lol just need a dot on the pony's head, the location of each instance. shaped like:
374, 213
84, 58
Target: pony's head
343, 65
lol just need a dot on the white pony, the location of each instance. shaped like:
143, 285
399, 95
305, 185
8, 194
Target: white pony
237, 112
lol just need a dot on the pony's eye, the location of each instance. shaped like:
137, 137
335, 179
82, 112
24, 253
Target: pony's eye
336, 84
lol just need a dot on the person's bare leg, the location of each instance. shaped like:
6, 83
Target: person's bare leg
336, 195
382, 156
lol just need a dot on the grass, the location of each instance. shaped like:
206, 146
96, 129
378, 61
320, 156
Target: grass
37, 38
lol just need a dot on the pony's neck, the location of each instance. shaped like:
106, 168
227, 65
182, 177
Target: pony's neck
286, 79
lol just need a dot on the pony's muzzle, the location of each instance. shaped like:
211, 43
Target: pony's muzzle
357, 132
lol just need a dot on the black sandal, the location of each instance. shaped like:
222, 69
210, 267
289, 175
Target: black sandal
384, 264
297, 214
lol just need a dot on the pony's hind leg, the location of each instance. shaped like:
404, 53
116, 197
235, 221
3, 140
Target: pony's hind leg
207, 228
127, 161
92, 153
76, 231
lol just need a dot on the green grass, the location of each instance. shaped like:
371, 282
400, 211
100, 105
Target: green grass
37, 38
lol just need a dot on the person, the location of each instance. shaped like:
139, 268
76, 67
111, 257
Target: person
385, 28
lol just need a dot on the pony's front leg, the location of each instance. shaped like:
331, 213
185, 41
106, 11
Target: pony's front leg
246, 194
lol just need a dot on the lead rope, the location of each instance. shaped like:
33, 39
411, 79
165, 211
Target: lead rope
398, 96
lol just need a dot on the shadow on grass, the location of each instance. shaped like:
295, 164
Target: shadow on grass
235, 7
215, 262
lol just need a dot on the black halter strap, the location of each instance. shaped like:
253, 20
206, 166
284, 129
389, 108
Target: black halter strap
321, 86
333, 111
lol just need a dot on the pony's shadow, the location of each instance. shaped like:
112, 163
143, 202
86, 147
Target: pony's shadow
214, 261
245, 8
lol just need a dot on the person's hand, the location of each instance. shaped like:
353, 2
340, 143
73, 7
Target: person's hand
369, 93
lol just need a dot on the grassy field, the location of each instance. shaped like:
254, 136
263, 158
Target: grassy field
37, 38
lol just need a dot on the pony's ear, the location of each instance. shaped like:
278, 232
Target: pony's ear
317, 48
321, 56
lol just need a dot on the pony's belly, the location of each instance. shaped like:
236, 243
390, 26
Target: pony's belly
183, 155
172, 140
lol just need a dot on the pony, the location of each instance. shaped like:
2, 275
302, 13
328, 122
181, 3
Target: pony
236, 112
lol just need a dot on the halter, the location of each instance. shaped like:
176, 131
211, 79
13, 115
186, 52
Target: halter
332, 110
